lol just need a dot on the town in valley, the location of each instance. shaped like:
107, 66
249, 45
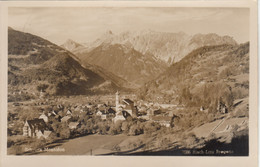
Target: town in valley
148, 88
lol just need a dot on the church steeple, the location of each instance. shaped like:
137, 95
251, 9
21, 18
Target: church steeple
117, 101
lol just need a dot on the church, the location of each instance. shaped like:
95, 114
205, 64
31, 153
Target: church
124, 110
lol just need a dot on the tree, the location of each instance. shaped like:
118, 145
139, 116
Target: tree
102, 127
115, 128
185, 95
52, 137
65, 131
213, 93
135, 129
175, 120
125, 127
150, 127
28, 114
56, 126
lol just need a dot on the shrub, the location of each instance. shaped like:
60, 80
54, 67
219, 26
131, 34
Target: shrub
240, 92
190, 140
103, 128
150, 127
126, 126
17, 129
64, 130
52, 137
10, 143
135, 130
42, 87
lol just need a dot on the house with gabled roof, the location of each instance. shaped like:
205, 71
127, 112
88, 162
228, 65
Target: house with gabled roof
53, 113
44, 117
89, 105
128, 102
65, 118
130, 107
111, 111
69, 112
35, 128
74, 125
162, 120
44, 134
99, 113
102, 113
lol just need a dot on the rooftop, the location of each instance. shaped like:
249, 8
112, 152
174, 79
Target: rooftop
128, 101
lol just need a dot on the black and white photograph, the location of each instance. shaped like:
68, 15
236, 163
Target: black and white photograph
128, 81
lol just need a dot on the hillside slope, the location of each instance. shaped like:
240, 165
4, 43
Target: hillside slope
35, 64
204, 77
125, 62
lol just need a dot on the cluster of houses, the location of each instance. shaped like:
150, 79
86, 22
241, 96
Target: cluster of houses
121, 111
36, 128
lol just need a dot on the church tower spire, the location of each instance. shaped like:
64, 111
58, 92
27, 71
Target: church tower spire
117, 101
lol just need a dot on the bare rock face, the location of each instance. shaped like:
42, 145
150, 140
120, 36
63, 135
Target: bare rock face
71, 45
168, 47
140, 56
125, 62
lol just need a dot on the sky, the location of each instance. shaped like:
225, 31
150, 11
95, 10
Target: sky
85, 24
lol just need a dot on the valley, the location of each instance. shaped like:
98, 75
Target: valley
138, 93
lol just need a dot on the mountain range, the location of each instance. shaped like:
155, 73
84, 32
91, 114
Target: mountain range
34, 63
140, 56
129, 60
165, 46
125, 62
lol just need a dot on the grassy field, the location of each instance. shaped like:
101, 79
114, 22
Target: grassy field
219, 126
97, 144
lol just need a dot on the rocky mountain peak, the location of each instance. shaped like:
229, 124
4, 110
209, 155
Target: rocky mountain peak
169, 47
71, 45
